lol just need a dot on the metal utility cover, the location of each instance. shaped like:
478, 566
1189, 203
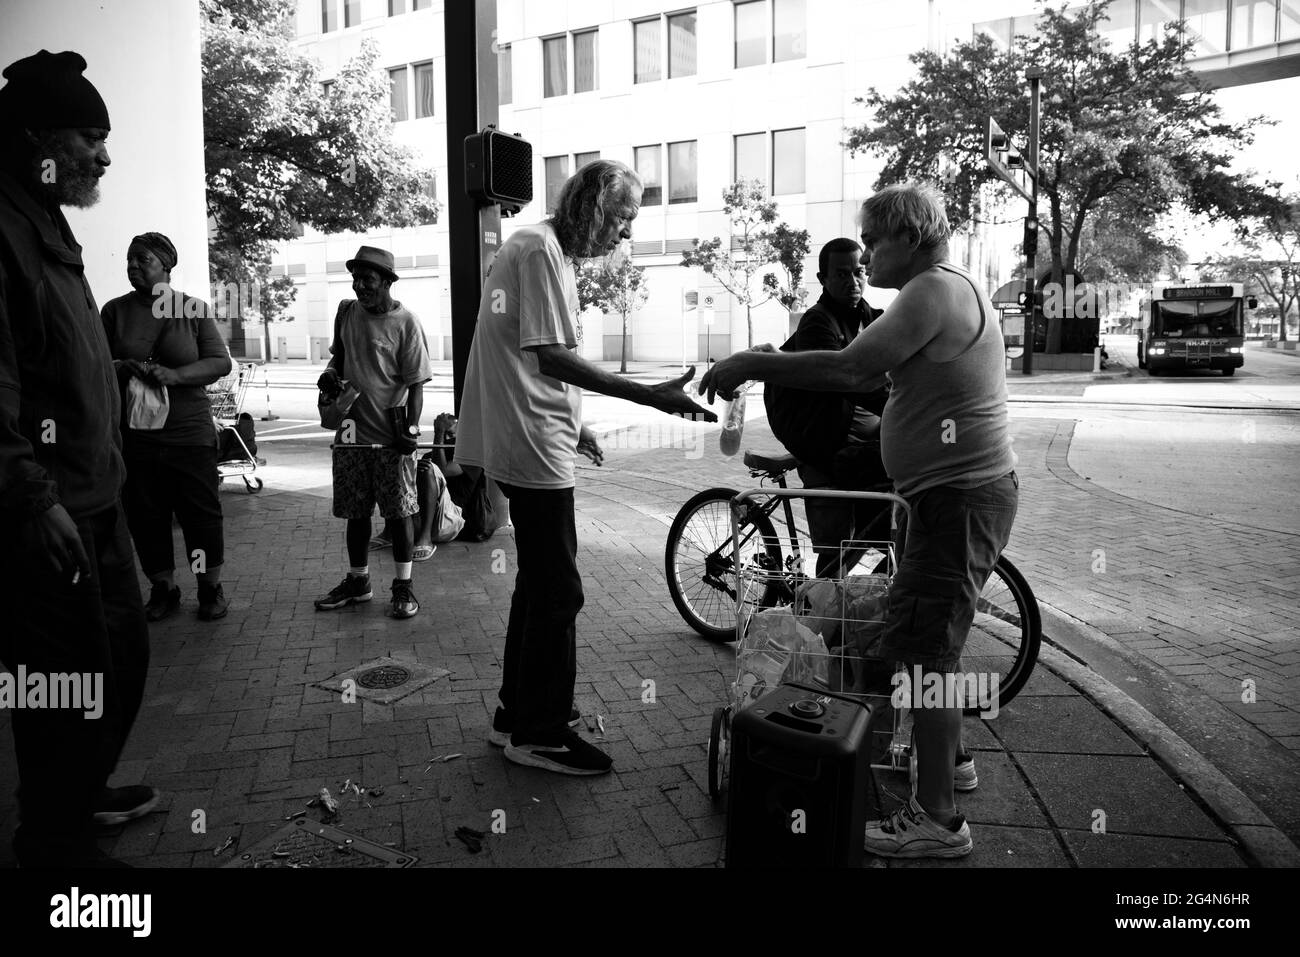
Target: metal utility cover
310, 844
385, 680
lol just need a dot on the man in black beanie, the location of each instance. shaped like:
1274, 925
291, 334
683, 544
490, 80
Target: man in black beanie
75, 637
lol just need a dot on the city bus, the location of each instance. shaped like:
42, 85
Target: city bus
1192, 326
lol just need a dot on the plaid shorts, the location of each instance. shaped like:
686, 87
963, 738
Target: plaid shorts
364, 478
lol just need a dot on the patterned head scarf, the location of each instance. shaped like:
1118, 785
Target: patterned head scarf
160, 246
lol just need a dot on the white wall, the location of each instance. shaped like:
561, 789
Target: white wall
143, 57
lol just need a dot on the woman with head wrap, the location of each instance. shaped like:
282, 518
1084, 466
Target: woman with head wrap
169, 339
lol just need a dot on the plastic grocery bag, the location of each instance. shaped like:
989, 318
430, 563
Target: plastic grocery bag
776, 648
850, 616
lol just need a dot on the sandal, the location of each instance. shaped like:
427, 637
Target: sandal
379, 541
423, 553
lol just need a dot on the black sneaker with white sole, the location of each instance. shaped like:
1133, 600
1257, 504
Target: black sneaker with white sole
350, 591
502, 726
565, 753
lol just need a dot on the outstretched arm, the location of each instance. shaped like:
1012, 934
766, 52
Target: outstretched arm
559, 363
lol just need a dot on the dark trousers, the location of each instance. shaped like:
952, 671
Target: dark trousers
541, 662
162, 480
831, 522
95, 627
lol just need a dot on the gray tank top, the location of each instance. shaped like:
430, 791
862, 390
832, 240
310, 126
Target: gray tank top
946, 422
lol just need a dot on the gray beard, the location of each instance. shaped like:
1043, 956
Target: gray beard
74, 184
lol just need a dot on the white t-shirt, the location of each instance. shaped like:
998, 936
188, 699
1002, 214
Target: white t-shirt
520, 426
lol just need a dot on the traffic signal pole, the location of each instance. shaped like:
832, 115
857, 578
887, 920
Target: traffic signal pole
1035, 76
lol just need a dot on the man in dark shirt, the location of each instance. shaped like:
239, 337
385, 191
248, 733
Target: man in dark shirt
834, 435
74, 618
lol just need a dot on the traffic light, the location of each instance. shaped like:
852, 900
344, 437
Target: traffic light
1031, 235
499, 169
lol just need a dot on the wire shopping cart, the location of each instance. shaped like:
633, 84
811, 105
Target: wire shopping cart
236, 457
815, 632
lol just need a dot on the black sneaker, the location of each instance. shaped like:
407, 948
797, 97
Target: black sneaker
564, 754
502, 726
353, 589
119, 805
212, 602
163, 602
403, 604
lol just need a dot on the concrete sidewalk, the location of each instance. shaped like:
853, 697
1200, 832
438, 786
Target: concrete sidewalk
1073, 773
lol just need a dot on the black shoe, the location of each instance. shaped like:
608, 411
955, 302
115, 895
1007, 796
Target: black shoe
119, 805
502, 726
403, 604
353, 588
163, 602
564, 754
212, 602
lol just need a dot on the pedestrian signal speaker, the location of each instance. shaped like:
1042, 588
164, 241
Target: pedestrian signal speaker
499, 169
800, 773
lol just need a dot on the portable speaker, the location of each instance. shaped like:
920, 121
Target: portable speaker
797, 794
499, 169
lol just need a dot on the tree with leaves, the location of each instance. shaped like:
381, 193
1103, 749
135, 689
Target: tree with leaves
1269, 259
280, 152
758, 242
614, 284
1129, 133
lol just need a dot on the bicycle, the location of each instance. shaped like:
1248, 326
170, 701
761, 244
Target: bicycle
702, 572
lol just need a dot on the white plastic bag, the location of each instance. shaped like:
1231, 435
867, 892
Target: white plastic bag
775, 648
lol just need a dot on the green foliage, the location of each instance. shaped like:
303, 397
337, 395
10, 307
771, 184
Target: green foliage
613, 284
759, 242
280, 152
1133, 132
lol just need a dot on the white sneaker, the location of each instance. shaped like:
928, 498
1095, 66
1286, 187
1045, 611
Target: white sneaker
910, 832
964, 777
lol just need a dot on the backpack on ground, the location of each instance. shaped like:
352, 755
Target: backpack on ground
447, 517
476, 504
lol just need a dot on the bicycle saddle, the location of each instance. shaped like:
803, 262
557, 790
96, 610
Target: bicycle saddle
770, 463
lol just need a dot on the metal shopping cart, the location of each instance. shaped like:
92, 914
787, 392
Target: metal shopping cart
820, 633
236, 456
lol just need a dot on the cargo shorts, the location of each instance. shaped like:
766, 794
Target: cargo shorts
948, 547
365, 477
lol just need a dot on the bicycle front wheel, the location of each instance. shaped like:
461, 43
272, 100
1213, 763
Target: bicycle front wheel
700, 561
1004, 637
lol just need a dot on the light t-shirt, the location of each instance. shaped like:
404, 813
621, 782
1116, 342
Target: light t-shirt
519, 426
383, 356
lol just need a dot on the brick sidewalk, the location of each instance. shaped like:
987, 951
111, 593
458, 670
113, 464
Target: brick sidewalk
233, 726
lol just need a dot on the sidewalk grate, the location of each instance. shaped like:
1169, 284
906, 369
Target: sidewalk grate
384, 680
309, 844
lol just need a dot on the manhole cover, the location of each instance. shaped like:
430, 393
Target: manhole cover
312, 845
387, 676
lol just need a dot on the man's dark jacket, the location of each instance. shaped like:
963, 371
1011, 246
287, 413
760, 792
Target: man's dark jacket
59, 400
815, 425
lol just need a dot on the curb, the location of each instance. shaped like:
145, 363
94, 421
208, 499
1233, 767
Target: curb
1240, 816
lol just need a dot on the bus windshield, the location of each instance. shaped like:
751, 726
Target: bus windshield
1212, 317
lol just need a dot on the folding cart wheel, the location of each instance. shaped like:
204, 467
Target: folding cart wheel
254, 486
719, 750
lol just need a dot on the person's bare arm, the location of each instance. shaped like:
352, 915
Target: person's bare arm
559, 363
907, 327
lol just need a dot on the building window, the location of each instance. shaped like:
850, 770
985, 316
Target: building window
584, 61
325, 88
582, 159
329, 16
421, 4
557, 171
397, 94
1254, 23
648, 162
351, 12
396, 7
1290, 21
505, 75
648, 51
788, 162
1119, 24
682, 180
423, 90
1207, 22
681, 44
789, 26
751, 157
1153, 17
751, 33
555, 66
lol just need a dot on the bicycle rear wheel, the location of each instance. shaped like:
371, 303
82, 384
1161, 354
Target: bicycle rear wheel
699, 561
1004, 637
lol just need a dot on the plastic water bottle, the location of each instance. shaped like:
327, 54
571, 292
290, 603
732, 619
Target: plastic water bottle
733, 423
